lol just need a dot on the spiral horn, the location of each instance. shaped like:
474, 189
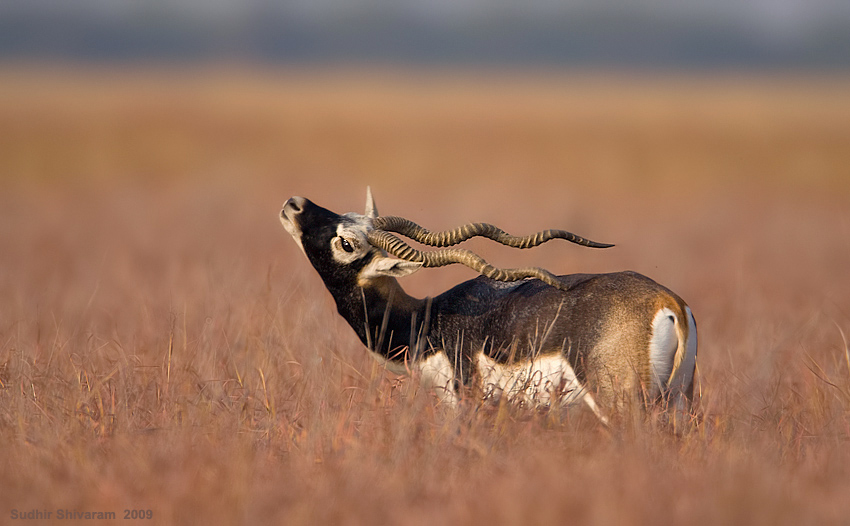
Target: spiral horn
449, 238
439, 258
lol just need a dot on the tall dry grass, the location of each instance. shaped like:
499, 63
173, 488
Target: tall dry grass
165, 346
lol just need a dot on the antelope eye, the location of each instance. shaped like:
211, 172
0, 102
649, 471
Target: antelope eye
346, 245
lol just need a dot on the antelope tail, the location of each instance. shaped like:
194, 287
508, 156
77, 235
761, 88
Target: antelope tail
680, 384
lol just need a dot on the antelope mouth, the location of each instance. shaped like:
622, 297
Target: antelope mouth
289, 218
288, 223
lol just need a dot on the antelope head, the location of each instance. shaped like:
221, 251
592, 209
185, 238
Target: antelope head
358, 247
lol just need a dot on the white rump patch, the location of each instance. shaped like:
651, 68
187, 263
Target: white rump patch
662, 348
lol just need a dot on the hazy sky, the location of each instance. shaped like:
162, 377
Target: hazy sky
797, 32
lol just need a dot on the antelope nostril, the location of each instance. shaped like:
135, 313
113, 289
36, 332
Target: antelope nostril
294, 204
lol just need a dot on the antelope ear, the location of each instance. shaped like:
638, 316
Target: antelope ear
390, 267
371, 209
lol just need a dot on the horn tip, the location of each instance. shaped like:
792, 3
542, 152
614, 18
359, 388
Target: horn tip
371, 209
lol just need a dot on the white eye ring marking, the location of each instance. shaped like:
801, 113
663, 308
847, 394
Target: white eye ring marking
350, 243
346, 249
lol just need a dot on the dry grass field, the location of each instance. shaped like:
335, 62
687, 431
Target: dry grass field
164, 346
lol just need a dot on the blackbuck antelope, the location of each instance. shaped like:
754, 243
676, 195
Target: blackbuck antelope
522, 333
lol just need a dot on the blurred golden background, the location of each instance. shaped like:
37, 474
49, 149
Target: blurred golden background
165, 346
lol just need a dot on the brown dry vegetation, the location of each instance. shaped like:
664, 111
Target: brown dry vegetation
165, 346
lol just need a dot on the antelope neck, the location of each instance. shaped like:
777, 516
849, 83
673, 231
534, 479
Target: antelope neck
387, 319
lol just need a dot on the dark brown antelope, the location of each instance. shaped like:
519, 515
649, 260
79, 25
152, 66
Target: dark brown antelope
524, 333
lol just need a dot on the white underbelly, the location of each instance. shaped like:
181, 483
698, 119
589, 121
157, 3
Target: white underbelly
545, 380
437, 373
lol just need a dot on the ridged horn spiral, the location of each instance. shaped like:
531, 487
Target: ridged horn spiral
449, 238
439, 258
